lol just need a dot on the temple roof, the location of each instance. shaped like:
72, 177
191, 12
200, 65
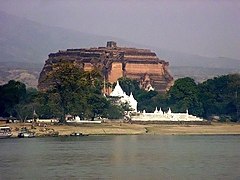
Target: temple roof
117, 91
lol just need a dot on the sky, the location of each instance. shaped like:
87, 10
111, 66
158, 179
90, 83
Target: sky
202, 27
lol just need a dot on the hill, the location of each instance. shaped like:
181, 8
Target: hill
26, 44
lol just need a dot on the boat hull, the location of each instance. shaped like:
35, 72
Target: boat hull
3, 136
26, 135
5, 132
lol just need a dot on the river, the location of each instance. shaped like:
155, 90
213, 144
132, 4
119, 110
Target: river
121, 157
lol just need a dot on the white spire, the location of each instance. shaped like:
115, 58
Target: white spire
131, 97
133, 102
160, 111
124, 98
117, 91
169, 111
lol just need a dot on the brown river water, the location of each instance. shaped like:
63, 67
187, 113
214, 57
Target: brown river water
121, 157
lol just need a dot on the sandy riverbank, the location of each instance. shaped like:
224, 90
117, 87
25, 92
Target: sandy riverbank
115, 128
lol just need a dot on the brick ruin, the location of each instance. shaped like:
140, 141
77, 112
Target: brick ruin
114, 62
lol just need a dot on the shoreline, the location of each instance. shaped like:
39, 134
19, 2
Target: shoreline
92, 135
120, 128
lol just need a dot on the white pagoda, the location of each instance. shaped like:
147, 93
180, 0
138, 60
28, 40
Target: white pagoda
124, 98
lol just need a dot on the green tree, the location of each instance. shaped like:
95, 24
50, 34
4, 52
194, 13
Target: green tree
234, 85
128, 85
97, 105
183, 95
71, 88
47, 105
65, 79
24, 111
145, 100
27, 106
113, 112
219, 96
11, 94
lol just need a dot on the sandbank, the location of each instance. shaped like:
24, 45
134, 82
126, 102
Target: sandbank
119, 128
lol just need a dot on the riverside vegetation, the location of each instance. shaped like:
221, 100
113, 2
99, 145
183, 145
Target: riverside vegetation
79, 93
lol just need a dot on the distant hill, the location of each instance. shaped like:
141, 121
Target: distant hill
190, 60
25, 46
199, 68
22, 40
199, 74
25, 72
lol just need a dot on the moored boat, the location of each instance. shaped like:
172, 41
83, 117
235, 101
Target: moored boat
78, 134
24, 133
5, 132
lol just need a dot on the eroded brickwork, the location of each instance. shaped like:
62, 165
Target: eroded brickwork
115, 62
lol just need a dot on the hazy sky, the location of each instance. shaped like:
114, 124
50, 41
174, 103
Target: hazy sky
203, 27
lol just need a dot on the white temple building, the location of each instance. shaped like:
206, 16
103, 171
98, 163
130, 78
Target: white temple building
124, 98
157, 115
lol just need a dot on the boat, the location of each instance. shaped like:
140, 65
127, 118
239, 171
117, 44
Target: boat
24, 133
78, 134
5, 132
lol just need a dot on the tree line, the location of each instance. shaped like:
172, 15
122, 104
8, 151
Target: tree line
219, 96
76, 92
